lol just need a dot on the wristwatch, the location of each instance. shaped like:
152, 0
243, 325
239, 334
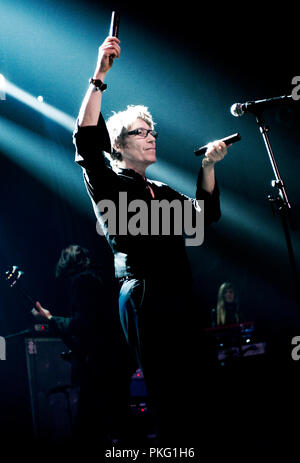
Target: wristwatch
98, 84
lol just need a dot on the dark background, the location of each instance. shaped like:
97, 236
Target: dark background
188, 64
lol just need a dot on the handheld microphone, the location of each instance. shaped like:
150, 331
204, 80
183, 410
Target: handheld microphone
227, 140
238, 109
114, 24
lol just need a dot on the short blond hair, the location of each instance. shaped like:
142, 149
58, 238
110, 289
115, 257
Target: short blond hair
120, 123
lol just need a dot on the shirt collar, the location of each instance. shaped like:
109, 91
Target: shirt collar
129, 173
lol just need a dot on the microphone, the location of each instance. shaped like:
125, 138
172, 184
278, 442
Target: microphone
227, 140
239, 109
114, 24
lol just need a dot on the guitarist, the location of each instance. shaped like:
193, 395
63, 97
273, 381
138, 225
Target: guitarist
100, 364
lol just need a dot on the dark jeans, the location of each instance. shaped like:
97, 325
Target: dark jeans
159, 319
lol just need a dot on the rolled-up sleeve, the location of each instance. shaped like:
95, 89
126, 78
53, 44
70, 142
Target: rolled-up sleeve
90, 142
212, 209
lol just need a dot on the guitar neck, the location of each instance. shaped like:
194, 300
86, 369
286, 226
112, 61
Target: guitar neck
25, 294
13, 276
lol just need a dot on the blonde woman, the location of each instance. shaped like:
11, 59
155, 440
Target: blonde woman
227, 311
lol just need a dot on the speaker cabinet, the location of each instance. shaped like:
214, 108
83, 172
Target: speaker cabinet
53, 398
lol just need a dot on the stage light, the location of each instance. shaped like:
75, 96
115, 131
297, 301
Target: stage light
38, 104
37, 155
2, 87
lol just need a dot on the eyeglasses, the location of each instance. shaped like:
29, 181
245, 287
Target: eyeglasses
142, 132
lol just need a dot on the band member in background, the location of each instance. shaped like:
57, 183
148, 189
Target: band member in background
101, 364
227, 311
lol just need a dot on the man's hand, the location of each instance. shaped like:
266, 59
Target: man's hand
108, 51
215, 152
41, 312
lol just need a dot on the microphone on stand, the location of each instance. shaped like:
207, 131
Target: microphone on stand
227, 140
239, 109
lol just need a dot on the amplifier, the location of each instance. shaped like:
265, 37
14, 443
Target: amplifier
53, 398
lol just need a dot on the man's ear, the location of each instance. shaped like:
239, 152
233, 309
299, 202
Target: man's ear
117, 147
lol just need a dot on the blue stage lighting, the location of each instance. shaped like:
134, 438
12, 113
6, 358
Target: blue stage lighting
2, 87
43, 159
39, 105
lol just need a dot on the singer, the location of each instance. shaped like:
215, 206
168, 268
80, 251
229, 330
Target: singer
158, 312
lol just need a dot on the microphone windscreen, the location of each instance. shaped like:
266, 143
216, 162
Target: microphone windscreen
237, 110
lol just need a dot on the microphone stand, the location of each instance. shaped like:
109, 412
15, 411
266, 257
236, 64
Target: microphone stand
281, 202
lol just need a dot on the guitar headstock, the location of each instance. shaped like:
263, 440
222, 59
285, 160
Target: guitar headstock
13, 275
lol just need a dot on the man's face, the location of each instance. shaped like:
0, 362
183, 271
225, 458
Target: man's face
138, 150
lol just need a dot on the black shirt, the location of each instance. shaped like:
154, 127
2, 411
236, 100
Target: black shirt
141, 255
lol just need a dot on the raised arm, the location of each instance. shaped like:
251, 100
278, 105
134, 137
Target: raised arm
91, 105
